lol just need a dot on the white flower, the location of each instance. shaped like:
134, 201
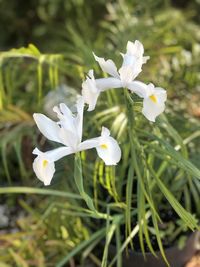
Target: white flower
108, 150
130, 69
44, 166
154, 102
68, 132
153, 98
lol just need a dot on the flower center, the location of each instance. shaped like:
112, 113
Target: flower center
104, 146
44, 163
153, 98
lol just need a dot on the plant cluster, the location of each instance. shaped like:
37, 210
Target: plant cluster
170, 34
138, 183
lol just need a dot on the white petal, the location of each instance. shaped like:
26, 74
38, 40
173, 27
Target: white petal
94, 142
139, 88
134, 52
107, 66
132, 62
161, 94
44, 168
108, 149
106, 146
47, 127
69, 134
128, 74
151, 109
108, 83
88, 144
65, 117
135, 49
68, 138
105, 132
90, 92
43, 164
144, 60
54, 154
65, 111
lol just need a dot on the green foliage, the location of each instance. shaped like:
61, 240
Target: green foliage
37, 235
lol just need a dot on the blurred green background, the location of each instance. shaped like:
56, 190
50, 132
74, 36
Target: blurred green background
63, 35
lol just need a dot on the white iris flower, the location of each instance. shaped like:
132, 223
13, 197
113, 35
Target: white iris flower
154, 102
124, 77
68, 132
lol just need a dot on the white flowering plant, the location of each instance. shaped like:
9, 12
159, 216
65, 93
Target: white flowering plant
141, 162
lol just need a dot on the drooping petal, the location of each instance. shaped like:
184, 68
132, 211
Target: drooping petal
107, 66
44, 169
139, 88
154, 105
47, 127
161, 94
108, 83
43, 164
108, 149
151, 110
90, 91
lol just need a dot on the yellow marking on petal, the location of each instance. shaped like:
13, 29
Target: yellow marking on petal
153, 98
104, 146
44, 163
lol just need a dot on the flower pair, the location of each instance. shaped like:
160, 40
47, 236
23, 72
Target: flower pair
68, 132
153, 97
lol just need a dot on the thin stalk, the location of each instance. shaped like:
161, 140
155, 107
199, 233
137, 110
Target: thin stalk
143, 192
78, 177
129, 187
134, 143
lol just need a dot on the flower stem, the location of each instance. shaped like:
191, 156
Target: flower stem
135, 145
78, 177
79, 182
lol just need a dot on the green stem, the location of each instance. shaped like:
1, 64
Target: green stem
135, 144
78, 177
129, 187
135, 167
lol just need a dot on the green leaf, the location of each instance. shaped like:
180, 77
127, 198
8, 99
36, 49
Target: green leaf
129, 192
184, 215
39, 191
179, 160
110, 229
